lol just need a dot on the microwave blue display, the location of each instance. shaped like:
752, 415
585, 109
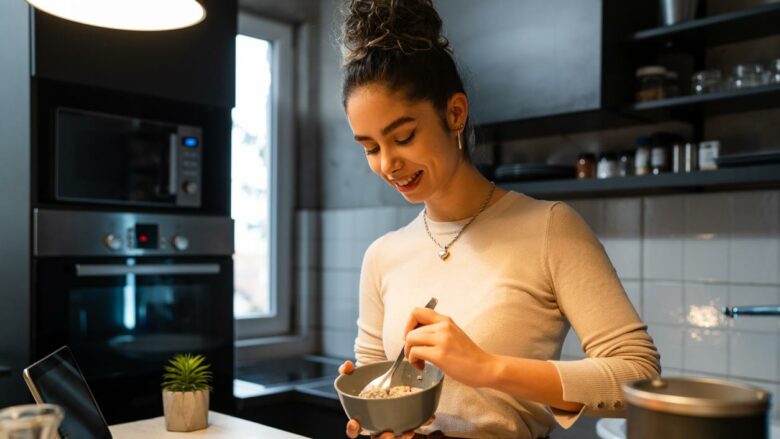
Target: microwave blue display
190, 142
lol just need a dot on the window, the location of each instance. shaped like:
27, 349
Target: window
261, 177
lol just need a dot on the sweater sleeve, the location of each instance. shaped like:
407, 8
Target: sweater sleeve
591, 297
368, 344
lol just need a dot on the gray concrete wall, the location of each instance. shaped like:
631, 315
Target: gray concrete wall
14, 198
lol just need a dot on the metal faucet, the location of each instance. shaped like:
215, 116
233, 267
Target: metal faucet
762, 310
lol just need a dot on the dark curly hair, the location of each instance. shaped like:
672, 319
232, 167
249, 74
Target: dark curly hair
399, 43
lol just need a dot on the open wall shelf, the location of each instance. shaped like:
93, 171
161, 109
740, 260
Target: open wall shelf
744, 24
743, 178
710, 104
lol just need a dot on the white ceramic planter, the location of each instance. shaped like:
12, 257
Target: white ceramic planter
186, 411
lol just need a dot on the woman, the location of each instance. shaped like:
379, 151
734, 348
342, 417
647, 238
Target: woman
511, 273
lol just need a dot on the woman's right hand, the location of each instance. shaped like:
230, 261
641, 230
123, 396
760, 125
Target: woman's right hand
353, 425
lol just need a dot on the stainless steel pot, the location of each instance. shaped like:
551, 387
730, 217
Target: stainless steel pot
676, 11
694, 407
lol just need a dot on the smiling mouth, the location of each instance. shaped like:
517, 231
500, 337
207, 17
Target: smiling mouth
408, 181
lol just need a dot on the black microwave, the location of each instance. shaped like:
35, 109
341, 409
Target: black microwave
110, 159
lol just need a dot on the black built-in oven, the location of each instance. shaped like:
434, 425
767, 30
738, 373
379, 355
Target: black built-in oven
127, 291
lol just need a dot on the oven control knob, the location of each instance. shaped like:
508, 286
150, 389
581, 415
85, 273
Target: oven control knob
190, 187
180, 242
112, 242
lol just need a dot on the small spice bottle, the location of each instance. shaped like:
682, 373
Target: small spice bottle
586, 165
642, 156
607, 166
659, 159
626, 163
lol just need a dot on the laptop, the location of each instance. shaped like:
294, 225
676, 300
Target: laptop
57, 379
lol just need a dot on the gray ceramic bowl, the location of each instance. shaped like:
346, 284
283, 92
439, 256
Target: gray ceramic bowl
400, 414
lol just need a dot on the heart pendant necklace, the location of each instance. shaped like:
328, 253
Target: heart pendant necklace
444, 250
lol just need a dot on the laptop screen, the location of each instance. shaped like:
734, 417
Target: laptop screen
58, 380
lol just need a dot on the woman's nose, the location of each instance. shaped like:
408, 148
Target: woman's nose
391, 162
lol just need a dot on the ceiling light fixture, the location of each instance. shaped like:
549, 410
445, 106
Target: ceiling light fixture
139, 15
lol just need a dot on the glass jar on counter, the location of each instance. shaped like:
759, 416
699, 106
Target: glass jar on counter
586, 165
642, 156
650, 83
607, 166
706, 81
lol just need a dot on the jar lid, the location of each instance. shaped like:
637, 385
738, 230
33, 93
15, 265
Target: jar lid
697, 396
650, 70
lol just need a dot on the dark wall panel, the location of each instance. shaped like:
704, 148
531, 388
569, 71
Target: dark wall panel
195, 64
526, 58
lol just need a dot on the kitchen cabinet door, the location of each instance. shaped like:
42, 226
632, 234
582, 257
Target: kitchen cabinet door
526, 58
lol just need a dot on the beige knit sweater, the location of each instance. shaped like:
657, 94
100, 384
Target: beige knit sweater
515, 280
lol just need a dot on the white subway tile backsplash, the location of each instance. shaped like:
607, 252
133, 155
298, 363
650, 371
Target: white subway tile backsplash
406, 214
669, 341
754, 355
704, 304
339, 313
747, 295
706, 246
706, 350
753, 256
625, 255
662, 244
663, 302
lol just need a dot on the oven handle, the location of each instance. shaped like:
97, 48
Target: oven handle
88, 270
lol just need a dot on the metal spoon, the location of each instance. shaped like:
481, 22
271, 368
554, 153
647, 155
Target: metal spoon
382, 382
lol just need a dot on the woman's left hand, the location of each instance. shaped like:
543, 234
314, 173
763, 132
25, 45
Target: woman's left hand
434, 337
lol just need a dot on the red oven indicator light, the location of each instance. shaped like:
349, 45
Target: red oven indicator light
143, 238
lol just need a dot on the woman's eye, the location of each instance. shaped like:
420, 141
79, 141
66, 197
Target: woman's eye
372, 151
406, 140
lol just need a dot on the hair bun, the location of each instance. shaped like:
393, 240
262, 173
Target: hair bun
405, 25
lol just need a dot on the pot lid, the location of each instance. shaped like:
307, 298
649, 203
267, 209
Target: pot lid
697, 396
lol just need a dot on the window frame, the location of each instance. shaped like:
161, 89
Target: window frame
282, 190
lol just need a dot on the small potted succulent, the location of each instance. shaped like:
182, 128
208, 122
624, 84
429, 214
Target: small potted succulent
186, 393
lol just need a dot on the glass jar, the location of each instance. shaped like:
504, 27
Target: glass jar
650, 83
774, 71
607, 166
748, 75
659, 159
706, 81
642, 156
586, 165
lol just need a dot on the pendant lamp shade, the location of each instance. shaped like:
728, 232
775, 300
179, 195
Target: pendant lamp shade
141, 15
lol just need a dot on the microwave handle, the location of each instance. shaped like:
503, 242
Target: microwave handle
173, 181
93, 270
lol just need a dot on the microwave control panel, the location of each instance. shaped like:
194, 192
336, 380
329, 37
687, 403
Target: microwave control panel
189, 155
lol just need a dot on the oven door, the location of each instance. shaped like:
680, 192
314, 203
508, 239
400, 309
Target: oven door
123, 318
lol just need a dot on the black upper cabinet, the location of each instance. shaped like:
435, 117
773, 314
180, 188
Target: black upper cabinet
194, 64
530, 60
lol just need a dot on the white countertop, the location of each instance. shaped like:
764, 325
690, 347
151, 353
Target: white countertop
220, 427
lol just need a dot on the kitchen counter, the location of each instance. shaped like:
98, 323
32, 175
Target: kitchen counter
220, 427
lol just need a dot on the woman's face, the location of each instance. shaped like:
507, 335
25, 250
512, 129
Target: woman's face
406, 143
